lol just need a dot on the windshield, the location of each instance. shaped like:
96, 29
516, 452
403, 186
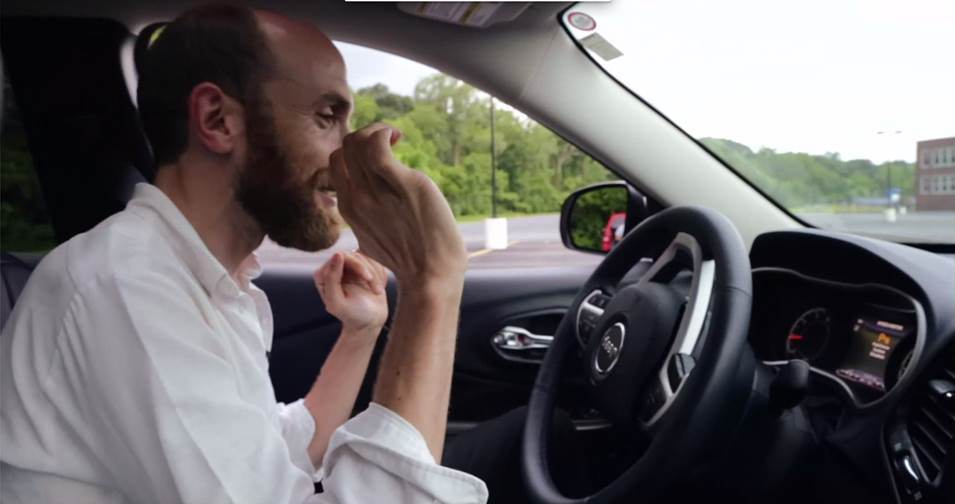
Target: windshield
841, 111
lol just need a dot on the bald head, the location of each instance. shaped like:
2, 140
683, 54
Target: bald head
298, 47
238, 50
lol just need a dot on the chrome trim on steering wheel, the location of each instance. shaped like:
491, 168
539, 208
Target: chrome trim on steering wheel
590, 307
694, 317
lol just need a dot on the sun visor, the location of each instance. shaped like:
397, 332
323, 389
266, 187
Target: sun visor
473, 14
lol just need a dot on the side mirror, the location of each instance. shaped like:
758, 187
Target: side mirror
596, 217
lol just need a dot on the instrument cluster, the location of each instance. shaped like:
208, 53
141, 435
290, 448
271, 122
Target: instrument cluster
861, 337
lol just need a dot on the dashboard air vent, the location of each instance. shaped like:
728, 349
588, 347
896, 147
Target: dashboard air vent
931, 424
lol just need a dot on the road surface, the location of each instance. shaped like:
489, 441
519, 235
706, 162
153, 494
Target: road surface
534, 241
913, 227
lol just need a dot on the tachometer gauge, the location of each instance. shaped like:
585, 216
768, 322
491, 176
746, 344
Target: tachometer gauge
809, 335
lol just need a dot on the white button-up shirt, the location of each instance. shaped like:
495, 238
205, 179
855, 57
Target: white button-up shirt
134, 371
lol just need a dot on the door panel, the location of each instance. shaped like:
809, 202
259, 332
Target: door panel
485, 384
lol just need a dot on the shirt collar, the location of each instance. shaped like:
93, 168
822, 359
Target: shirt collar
190, 247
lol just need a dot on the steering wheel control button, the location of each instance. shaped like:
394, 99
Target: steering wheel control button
609, 349
652, 402
600, 300
678, 368
590, 311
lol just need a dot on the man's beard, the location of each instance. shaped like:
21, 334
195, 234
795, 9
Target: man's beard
269, 190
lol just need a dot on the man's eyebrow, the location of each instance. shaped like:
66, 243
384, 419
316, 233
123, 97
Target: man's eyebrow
337, 101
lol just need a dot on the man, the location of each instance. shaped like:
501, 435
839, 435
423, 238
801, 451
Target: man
134, 365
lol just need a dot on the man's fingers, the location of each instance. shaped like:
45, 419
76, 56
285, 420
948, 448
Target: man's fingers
374, 278
379, 271
369, 158
352, 150
320, 274
333, 278
379, 159
357, 267
370, 130
396, 136
341, 182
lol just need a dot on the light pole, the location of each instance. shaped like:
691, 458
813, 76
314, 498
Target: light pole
493, 166
495, 229
888, 171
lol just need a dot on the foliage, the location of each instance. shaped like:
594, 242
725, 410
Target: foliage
798, 180
24, 224
447, 134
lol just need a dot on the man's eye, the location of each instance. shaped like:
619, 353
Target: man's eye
325, 120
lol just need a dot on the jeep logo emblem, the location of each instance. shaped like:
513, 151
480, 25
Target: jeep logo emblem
609, 348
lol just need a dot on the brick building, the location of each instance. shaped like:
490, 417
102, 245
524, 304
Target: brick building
935, 175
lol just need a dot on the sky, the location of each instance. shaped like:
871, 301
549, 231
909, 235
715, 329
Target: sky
864, 78
367, 67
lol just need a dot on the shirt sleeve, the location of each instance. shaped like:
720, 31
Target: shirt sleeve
379, 453
161, 397
298, 429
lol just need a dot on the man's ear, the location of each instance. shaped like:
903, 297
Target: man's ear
215, 118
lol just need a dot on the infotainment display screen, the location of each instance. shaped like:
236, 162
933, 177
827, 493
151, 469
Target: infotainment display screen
873, 342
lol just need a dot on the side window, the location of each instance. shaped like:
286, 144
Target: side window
24, 222
449, 135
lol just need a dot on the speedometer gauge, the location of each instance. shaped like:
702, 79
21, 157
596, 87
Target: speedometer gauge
809, 335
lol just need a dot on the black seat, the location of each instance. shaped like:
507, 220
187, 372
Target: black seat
120, 161
14, 273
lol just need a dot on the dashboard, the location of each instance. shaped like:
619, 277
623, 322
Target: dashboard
875, 321
861, 337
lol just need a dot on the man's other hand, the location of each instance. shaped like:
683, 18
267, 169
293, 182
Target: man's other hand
352, 286
399, 215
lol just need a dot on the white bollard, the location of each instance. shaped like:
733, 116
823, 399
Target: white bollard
890, 215
495, 233
903, 210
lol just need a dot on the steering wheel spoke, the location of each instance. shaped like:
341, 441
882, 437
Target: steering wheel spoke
684, 252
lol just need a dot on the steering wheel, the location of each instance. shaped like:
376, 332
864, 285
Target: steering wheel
674, 365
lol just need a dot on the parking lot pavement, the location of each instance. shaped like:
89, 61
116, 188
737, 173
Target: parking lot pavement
919, 227
534, 242
532, 254
523, 255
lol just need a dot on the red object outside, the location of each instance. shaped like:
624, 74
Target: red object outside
613, 231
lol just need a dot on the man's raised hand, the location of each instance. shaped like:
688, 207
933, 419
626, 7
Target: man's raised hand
399, 215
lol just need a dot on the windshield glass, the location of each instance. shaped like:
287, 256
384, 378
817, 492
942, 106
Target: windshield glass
841, 111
